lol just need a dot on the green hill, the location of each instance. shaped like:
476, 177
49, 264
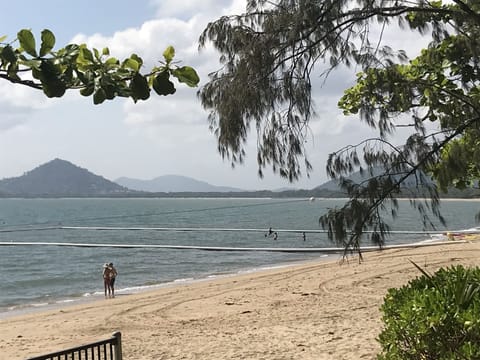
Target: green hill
59, 178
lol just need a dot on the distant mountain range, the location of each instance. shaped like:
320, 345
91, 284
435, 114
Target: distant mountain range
172, 183
60, 178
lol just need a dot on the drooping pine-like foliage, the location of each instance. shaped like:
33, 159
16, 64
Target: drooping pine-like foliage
269, 54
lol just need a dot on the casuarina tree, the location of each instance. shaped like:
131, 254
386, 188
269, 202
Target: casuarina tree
269, 55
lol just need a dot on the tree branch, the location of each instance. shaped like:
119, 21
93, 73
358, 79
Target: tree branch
28, 83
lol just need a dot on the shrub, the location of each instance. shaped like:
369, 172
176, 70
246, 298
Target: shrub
433, 317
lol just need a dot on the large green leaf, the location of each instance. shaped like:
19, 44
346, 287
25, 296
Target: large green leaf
111, 63
138, 59
48, 42
27, 41
162, 85
8, 54
187, 75
99, 96
131, 64
85, 56
139, 87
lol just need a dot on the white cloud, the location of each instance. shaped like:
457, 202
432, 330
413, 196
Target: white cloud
23, 96
162, 110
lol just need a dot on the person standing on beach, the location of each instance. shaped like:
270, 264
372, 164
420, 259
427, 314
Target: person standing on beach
109, 275
113, 274
106, 279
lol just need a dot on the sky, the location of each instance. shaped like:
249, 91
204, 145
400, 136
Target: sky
163, 135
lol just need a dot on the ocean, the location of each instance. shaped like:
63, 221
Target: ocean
202, 238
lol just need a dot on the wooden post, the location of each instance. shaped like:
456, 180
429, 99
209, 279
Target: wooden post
118, 347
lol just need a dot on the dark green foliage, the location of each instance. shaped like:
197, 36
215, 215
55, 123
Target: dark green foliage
90, 71
162, 85
187, 75
433, 317
50, 76
139, 87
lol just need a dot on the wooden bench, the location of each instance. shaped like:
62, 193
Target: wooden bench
108, 349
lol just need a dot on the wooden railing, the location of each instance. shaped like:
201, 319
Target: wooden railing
109, 349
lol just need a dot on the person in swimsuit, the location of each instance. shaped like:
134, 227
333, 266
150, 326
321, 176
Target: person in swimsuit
113, 274
109, 275
106, 279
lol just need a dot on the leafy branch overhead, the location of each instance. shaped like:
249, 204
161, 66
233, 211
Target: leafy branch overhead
90, 71
271, 55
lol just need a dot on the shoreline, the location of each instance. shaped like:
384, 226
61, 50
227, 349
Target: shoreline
314, 310
60, 303
334, 255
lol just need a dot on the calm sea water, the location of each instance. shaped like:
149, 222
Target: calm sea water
36, 276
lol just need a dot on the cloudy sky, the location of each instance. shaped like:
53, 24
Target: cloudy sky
164, 135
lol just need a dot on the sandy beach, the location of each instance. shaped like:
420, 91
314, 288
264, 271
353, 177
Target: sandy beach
317, 310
